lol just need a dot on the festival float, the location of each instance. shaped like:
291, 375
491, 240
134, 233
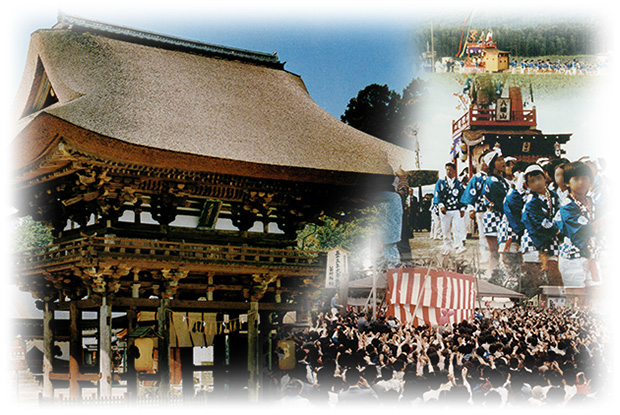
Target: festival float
492, 120
482, 53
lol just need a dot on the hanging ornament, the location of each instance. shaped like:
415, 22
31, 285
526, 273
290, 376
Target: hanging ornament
463, 147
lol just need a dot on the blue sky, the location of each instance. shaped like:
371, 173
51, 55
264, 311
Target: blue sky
336, 58
337, 49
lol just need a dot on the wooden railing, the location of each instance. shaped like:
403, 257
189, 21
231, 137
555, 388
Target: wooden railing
486, 117
126, 248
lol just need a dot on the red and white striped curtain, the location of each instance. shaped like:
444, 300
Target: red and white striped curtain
445, 297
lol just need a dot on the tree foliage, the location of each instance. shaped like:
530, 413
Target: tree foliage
29, 234
386, 114
353, 234
540, 39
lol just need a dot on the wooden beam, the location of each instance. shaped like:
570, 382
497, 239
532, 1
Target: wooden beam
178, 305
87, 303
82, 377
200, 287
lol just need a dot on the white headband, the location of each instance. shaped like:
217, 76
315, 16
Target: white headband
490, 156
532, 168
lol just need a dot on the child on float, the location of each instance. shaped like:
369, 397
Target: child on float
576, 220
541, 238
494, 192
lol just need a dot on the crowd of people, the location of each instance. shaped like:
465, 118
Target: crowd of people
516, 357
531, 66
570, 67
542, 219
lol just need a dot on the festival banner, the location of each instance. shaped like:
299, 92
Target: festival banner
337, 271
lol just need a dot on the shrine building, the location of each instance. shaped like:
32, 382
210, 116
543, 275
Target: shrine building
174, 175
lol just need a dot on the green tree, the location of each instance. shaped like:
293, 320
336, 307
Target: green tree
381, 112
523, 39
351, 233
29, 234
373, 111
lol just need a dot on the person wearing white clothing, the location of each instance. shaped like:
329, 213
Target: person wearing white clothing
472, 198
447, 197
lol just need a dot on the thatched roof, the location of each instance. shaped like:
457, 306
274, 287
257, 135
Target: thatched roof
192, 100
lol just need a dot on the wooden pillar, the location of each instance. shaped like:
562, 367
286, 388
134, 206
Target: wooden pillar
48, 351
253, 351
187, 371
132, 376
105, 349
264, 347
132, 317
219, 359
237, 374
163, 348
75, 350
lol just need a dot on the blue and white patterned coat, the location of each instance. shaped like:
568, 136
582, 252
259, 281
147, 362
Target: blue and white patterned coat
513, 208
494, 193
473, 192
448, 195
576, 225
538, 219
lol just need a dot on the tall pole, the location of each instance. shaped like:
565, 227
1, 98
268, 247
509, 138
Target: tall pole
374, 293
432, 50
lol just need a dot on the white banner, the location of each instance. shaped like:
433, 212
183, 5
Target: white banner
337, 268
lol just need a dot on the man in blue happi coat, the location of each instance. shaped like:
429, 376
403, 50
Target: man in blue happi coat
447, 197
472, 199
